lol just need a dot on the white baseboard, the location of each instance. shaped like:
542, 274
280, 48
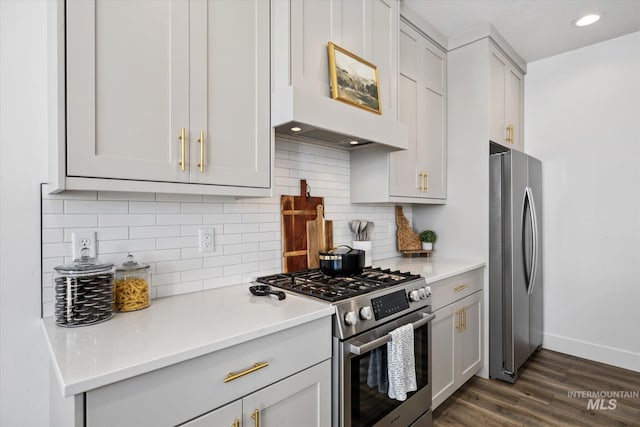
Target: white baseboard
596, 352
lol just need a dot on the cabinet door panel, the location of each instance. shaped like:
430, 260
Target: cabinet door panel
384, 52
443, 334
470, 351
497, 131
221, 417
300, 400
403, 174
431, 150
513, 105
230, 96
127, 88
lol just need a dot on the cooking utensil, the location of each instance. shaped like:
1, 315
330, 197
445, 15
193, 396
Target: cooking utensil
265, 290
342, 261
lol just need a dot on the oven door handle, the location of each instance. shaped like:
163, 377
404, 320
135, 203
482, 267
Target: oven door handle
379, 342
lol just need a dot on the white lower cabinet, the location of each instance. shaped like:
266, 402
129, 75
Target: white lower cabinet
456, 342
300, 400
284, 379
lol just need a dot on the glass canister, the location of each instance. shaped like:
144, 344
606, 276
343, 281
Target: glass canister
132, 285
84, 292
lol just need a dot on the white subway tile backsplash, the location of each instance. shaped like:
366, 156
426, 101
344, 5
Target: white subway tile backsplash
163, 197
222, 218
117, 220
154, 231
203, 208
50, 250
222, 260
52, 206
203, 273
241, 228
176, 219
95, 206
178, 288
165, 279
52, 235
66, 221
129, 245
128, 196
162, 229
177, 242
154, 207
176, 266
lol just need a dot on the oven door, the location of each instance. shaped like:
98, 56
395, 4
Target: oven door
362, 405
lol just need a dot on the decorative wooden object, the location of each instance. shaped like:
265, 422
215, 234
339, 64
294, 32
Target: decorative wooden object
408, 240
319, 237
296, 211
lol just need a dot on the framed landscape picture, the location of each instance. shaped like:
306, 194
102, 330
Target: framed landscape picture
353, 80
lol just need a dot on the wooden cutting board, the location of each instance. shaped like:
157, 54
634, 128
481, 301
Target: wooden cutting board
319, 237
296, 211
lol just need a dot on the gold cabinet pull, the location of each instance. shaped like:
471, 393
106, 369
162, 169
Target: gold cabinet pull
460, 288
183, 149
235, 375
201, 141
510, 134
464, 317
256, 417
424, 181
236, 423
459, 320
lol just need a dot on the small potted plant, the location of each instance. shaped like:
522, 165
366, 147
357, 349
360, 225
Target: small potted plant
428, 238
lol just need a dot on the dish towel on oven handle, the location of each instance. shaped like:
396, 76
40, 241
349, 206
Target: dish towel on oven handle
401, 364
377, 372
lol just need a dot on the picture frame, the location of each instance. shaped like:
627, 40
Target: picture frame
353, 80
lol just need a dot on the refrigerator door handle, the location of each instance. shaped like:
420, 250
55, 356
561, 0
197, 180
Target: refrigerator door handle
528, 272
535, 232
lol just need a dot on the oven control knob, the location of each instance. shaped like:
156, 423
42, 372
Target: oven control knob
365, 313
351, 318
427, 291
421, 293
414, 296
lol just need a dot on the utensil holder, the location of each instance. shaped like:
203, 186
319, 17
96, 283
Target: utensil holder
364, 245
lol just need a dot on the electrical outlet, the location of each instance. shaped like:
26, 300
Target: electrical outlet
205, 238
84, 240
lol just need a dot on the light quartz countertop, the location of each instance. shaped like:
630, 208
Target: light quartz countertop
432, 268
171, 330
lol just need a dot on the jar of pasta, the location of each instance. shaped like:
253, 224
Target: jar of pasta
132, 285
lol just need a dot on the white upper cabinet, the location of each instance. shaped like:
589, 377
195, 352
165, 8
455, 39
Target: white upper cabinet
418, 174
506, 101
167, 92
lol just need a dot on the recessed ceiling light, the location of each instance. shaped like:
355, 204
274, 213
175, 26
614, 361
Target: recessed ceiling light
296, 129
354, 142
589, 19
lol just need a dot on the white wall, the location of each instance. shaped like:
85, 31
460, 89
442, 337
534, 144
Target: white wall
582, 120
24, 380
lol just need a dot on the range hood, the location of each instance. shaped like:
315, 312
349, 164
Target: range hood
309, 117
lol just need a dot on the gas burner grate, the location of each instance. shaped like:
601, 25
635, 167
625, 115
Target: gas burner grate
332, 289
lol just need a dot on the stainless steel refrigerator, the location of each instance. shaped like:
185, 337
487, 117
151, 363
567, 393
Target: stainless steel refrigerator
515, 261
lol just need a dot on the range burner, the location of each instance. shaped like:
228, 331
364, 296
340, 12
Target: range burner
332, 289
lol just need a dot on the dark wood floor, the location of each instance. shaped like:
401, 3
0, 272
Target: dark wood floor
541, 396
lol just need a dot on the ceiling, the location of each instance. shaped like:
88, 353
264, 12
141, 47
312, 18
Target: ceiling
536, 29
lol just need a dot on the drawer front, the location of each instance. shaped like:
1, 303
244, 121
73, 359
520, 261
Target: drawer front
180, 392
446, 291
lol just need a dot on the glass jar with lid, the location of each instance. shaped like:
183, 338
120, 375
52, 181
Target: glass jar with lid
132, 285
84, 292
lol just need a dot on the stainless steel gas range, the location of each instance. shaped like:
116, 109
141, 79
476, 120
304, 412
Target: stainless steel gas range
368, 307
